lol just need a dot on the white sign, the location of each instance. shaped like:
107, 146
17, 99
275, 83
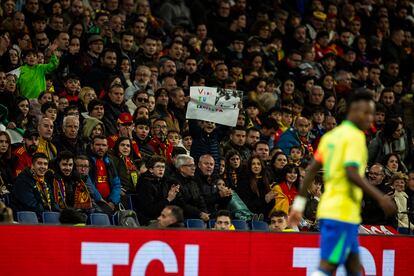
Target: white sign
213, 104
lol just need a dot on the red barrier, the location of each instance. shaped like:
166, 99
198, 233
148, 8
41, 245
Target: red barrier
54, 250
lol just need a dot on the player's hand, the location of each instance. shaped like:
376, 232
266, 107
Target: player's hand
294, 217
388, 205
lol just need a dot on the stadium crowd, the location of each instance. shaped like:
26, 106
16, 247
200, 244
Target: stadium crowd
98, 92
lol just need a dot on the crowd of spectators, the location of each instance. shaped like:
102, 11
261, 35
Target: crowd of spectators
93, 98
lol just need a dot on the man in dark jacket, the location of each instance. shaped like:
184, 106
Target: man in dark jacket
215, 198
100, 74
154, 194
69, 140
114, 105
206, 139
189, 198
31, 192
371, 211
237, 142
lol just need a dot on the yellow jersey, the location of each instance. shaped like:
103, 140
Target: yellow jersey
342, 147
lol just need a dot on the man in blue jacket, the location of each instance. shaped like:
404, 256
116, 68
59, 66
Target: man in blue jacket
103, 175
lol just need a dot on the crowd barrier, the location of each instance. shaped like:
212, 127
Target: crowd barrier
60, 250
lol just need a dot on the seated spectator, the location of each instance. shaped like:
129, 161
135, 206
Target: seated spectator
103, 175
296, 155
237, 142
314, 195
254, 188
31, 192
69, 140
390, 139
392, 164
171, 217
92, 127
223, 221
279, 222
372, 213
214, 196
189, 197
398, 182
125, 166
22, 155
46, 146
24, 119
262, 150
278, 162
287, 189
141, 136
159, 142
233, 169
297, 136
114, 105
6, 176
125, 126
69, 190
161, 109
154, 194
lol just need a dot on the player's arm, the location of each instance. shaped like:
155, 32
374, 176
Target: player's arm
299, 204
385, 202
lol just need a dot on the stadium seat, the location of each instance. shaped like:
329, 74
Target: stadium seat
240, 224
404, 230
51, 217
27, 217
99, 219
211, 223
259, 225
195, 224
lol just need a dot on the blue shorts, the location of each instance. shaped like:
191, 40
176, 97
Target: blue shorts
337, 240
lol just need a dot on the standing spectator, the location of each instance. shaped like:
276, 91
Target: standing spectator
237, 142
398, 182
159, 142
32, 81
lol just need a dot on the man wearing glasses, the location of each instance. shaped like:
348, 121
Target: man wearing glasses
189, 198
371, 212
159, 142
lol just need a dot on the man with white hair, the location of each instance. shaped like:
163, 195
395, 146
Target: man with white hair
141, 82
69, 139
189, 198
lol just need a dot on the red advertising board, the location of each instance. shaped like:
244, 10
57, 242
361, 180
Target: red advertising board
59, 250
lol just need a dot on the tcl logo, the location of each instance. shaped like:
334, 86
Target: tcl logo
107, 254
305, 257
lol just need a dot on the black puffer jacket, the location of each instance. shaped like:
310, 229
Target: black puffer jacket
152, 196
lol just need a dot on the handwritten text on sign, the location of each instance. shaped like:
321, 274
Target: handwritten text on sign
214, 104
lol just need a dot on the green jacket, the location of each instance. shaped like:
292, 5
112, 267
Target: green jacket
32, 81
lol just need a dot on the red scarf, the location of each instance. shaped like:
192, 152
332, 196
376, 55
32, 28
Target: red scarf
162, 148
102, 184
289, 192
